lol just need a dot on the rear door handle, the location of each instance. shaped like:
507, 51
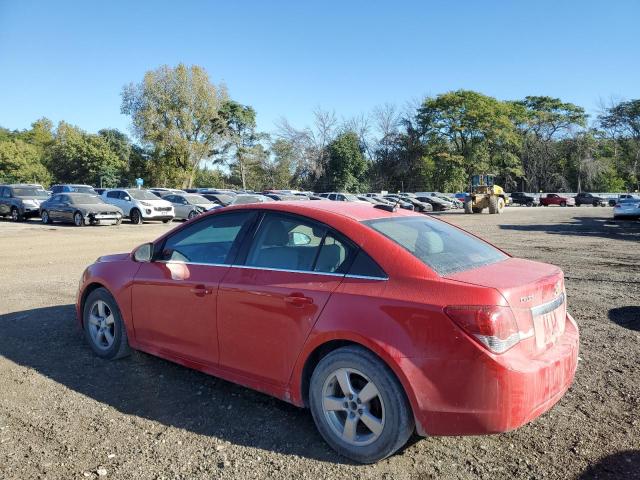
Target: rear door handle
298, 300
201, 290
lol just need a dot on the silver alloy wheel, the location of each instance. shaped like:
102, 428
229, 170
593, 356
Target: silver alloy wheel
15, 215
101, 325
45, 217
78, 220
353, 407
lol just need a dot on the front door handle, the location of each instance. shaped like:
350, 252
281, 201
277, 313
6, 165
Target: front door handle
201, 290
298, 300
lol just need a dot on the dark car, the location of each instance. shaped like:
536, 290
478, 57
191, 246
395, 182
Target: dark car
590, 199
437, 204
21, 201
400, 202
284, 197
80, 209
522, 198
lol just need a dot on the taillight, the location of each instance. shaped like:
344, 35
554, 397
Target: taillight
493, 326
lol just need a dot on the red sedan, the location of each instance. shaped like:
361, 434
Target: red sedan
381, 322
555, 199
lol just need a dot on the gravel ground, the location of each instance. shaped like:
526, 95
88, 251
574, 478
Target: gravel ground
66, 414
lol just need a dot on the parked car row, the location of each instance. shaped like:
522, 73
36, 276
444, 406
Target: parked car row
86, 205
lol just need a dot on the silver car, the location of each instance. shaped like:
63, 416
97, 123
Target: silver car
627, 208
188, 205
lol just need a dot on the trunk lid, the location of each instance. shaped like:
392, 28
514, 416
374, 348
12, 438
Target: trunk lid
534, 291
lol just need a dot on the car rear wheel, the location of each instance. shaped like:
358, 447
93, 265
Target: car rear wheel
192, 214
45, 217
136, 217
103, 326
359, 406
563, 204
78, 219
166, 221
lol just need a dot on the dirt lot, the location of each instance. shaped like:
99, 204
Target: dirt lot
66, 414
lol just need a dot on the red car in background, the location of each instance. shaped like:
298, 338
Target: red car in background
381, 322
556, 199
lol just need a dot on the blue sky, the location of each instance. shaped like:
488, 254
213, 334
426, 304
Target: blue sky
69, 60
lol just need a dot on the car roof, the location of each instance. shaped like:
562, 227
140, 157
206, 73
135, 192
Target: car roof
355, 211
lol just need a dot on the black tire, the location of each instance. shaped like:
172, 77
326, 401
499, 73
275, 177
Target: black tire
166, 221
120, 346
468, 206
78, 219
135, 216
563, 204
15, 215
529, 204
398, 424
192, 214
118, 221
595, 203
44, 216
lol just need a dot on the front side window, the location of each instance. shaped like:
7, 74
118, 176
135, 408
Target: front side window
115, 194
442, 247
208, 241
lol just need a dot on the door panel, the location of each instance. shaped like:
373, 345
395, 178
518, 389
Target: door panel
174, 308
265, 316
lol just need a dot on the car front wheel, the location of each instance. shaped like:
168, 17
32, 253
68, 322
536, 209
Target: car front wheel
15, 215
45, 217
78, 219
104, 328
359, 406
136, 217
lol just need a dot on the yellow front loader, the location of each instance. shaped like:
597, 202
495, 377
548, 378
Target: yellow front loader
484, 194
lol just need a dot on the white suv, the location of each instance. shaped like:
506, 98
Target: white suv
139, 205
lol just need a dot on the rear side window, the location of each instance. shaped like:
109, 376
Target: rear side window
113, 194
441, 247
364, 266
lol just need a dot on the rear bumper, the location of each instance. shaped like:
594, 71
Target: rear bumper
30, 212
492, 393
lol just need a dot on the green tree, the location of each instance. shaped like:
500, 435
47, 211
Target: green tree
346, 166
79, 157
176, 111
21, 162
622, 122
475, 127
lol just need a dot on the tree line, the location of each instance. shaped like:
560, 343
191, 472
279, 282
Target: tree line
188, 132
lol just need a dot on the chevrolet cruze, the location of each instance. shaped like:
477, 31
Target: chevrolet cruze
381, 321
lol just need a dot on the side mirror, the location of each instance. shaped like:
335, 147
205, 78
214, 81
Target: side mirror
143, 253
127, 198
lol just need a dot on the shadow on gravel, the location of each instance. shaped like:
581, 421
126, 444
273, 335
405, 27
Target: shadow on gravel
627, 317
619, 466
48, 340
587, 227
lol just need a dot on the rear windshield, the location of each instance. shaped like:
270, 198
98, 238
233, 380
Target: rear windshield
197, 199
443, 248
142, 195
29, 192
83, 189
85, 199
